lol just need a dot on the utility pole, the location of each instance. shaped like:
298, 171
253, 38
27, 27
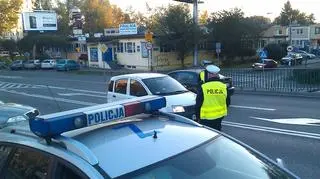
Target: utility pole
195, 20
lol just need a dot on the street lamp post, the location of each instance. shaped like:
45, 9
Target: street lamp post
195, 20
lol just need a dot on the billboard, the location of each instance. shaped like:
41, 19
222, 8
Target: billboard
128, 29
39, 21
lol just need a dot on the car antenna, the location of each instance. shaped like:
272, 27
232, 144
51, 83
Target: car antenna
155, 134
59, 107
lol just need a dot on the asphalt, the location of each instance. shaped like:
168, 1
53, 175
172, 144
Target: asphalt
278, 126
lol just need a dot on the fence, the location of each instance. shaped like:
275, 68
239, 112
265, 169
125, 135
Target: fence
275, 80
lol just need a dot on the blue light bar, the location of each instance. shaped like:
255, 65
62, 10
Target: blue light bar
52, 125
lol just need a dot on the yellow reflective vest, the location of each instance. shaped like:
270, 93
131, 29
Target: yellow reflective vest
202, 73
214, 100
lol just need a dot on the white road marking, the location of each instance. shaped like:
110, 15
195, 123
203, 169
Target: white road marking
81, 94
273, 130
50, 98
252, 107
4, 85
10, 77
77, 90
297, 121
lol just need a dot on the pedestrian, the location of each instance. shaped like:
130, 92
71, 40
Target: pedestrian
211, 106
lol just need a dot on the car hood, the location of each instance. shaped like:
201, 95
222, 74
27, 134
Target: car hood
184, 99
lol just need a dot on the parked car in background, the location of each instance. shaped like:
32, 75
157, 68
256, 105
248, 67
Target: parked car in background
292, 59
17, 65
11, 112
32, 64
48, 64
306, 55
4, 53
190, 79
266, 63
66, 65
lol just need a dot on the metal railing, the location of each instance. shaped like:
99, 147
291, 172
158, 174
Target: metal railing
275, 80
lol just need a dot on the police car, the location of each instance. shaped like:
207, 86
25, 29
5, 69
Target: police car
128, 139
179, 99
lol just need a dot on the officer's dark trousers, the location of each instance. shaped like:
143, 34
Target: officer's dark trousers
215, 124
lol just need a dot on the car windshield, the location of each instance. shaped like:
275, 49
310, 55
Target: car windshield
164, 86
219, 158
61, 61
17, 62
46, 61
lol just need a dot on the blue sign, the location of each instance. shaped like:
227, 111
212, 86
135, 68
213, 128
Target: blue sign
263, 54
107, 56
94, 54
128, 29
144, 50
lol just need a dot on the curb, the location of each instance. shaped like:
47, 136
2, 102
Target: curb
288, 94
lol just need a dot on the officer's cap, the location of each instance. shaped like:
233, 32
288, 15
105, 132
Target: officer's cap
213, 69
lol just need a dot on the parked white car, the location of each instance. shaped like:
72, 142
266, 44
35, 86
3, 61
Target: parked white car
179, 99
48, 64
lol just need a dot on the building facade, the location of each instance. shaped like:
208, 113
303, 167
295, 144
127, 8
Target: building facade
129, 51
299, 36
315, 36
275, 34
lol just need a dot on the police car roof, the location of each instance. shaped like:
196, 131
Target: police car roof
140, 75
126, 147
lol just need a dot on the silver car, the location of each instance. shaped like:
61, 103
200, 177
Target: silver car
32, 64
11, 112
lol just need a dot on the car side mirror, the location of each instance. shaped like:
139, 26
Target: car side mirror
281, 163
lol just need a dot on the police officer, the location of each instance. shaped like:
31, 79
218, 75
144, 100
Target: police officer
211, 104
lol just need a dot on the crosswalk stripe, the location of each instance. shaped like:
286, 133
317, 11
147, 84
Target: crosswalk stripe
6, 85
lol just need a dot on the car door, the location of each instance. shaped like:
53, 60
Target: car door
137, 89
17, 161
120, 90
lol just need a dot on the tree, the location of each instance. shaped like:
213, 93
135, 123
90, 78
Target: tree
175, 29
9, 14
289, 15
237, 34
98, 15
37, 42
204, 17
9, 45
43, 4
62, 18
276, 51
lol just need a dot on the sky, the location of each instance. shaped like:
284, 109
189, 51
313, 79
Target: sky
267, 8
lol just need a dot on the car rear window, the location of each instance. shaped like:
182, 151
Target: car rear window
61, 61
46, 61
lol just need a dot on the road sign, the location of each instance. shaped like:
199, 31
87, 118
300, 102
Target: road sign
82, 39
148, 45
289, 48
218, 46
148, 36
218, 50
103, 48
263, 54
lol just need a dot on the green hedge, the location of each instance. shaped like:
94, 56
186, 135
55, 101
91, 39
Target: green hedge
307, 76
